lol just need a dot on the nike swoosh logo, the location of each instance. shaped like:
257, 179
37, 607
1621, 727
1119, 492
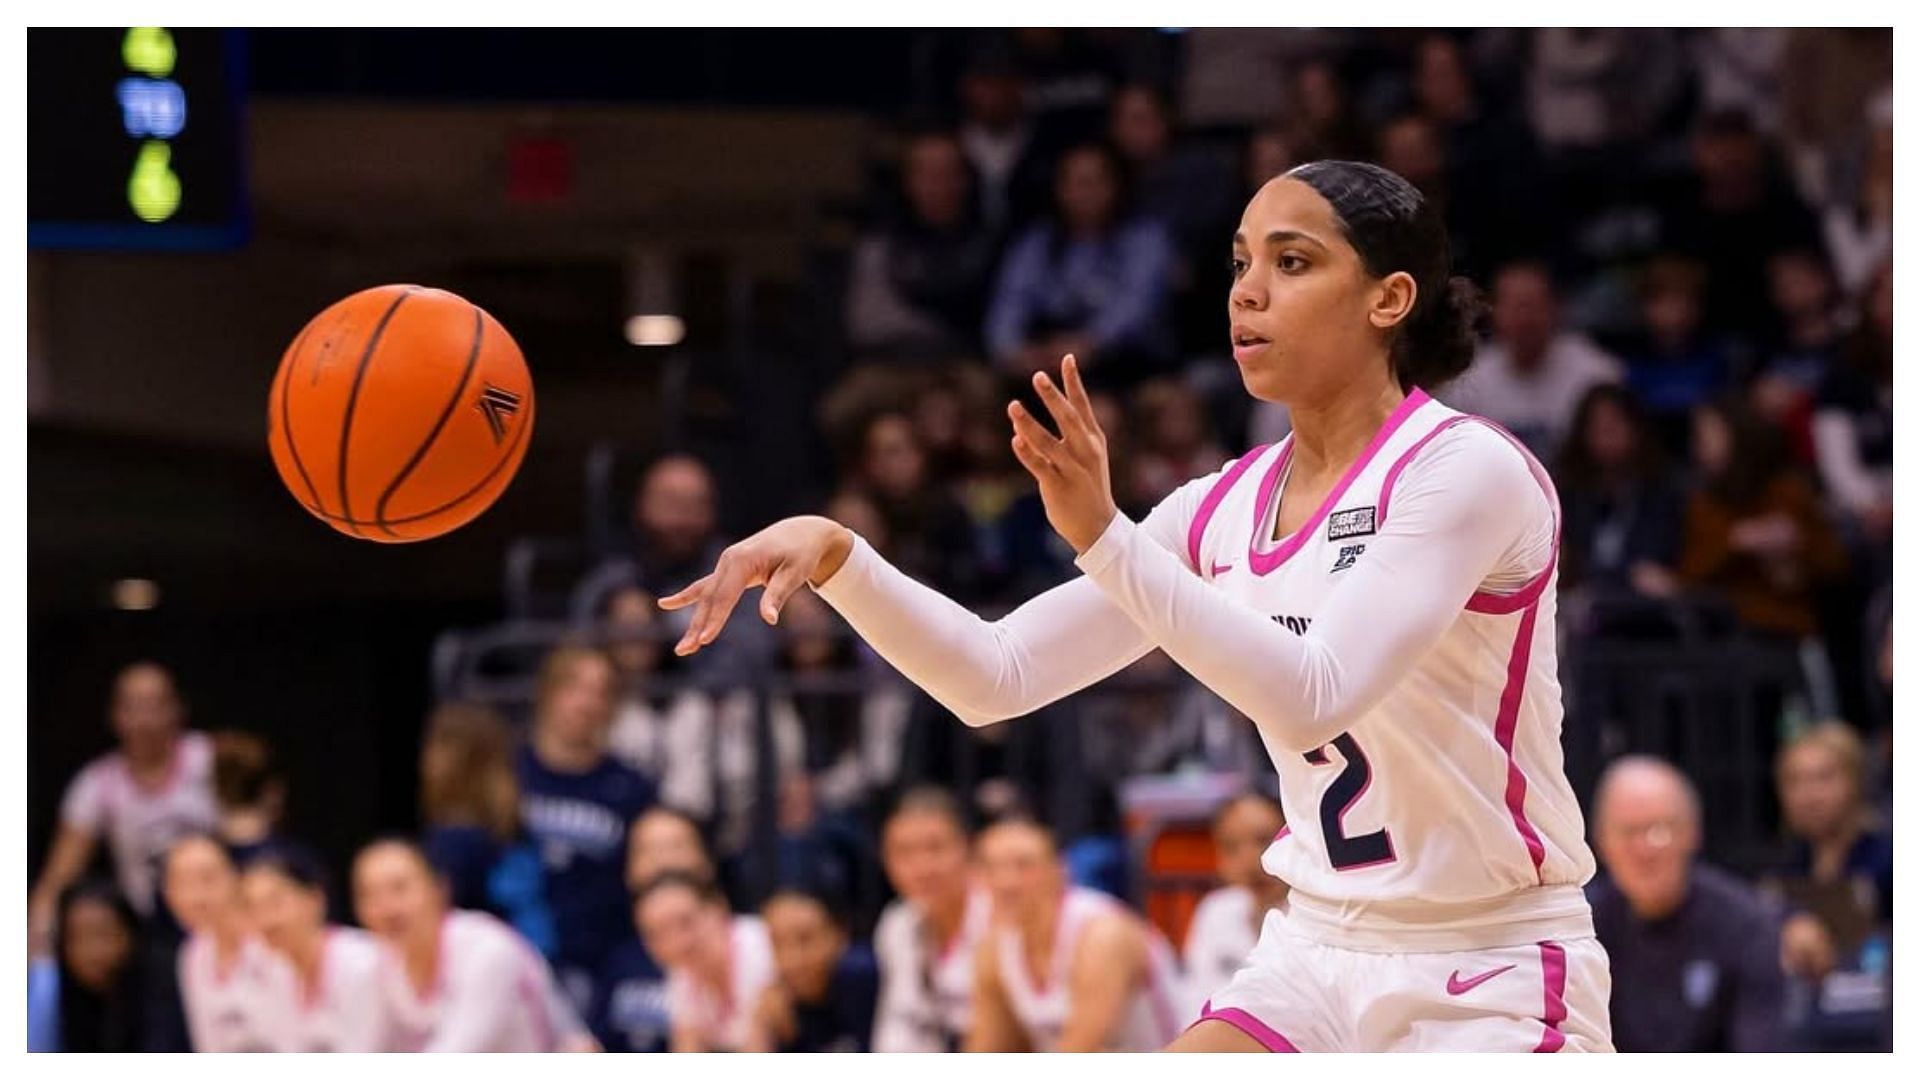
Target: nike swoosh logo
1221, 568
1457, 986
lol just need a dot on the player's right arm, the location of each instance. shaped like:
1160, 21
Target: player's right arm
82, 814
1065, 639
995, 1029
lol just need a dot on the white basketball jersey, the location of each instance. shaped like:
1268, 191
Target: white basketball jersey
1445, 806
491, 993
726, 1023
232, 1008
344, 1010
1154, 1010
926, 995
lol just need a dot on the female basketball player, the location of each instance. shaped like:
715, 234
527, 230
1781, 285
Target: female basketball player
927, 939
332, 1002
453, 980
1226, 925
717, 964
229, 980
1375, 592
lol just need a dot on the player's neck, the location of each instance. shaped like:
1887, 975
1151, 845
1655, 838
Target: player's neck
423, 957
944, 916
565, 755
151, 769
1331, 435
1041, 922
304, 953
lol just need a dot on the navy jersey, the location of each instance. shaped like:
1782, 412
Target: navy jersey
578, 822
629, 1014
842, 1022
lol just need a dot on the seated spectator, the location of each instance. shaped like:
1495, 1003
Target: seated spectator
1730, 212
84, 995
1107, 981
330, 1000
470, 813
822, 998
1755, 531
576, 805
1622, 515
454, 981
1086, 281
1859, 229
1838, 876
248, 793
677, 541
1676, 364
1002, 142
1533, 373
229, 980
1172, 443
927, 940
919, 282
1226, 925
140, 798
664, 839
1853, 424
1802, 348
1323, 115
717, 964
1695, 951
629, 1013
852, 738
927, 527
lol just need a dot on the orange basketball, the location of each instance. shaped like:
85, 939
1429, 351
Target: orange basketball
400, 413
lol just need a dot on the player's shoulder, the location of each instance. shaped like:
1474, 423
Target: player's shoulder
1225, 902
1468, 452
897, 927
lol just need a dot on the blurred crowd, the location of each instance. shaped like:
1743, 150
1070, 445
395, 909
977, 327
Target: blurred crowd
1685, 241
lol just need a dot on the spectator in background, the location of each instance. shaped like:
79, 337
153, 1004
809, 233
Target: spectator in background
576, 805
248, 791
1322, 112
852, 739
1853, 427
229, 980
928, 939
330, 998
84, 996
1001, 141
1802, 347
1677, 363
717, 965
1859, 230
1730, 213
454, 981
1756, 532
1173, 443
1066, 76
140, 798
470, 813
665, 839
1838, 874
1087, 281
1591, 90
822, 998
629, 1013
1622, 514
1534, 372
1227, 923
1117, 977
1695, 952
919, 282
642, 722
926, 526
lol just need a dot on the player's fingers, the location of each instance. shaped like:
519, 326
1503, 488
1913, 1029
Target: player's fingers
1073, 429
688, 595
1028, 428
1032, 460
1077, 393
781, 587
730, 579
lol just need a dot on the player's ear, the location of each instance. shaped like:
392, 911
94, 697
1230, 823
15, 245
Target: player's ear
1393, 300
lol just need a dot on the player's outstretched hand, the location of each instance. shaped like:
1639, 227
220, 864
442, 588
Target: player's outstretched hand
1075, 481
783, 556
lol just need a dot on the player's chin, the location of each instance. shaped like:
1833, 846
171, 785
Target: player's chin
1263, 382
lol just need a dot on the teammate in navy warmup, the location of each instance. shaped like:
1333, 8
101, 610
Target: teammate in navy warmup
576, 804
824, 996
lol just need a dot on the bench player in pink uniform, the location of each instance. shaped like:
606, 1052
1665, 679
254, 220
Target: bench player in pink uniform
1375, 591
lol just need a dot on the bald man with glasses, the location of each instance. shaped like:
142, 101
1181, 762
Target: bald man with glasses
1695, 951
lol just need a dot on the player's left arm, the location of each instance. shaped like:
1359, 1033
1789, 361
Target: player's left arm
1109, 965
1465, 507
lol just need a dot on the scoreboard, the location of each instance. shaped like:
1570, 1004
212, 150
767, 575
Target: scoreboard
134, 138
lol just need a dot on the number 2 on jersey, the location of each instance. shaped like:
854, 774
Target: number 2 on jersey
1349, 852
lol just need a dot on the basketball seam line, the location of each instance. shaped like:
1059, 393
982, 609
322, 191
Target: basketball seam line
286, 419
459, 391
518, 436
353, 399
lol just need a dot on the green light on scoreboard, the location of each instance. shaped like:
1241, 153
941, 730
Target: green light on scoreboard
149, 51
154, 190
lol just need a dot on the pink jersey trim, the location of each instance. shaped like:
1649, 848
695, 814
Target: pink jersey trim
1197, 530
1251, 1025
1285, 831
1503, 732
1553, 971
1267, 562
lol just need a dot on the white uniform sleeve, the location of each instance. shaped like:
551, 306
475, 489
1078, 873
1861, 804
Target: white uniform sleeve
893, 1029
482, 1002
1065, 639
1465, 511
364, 1018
